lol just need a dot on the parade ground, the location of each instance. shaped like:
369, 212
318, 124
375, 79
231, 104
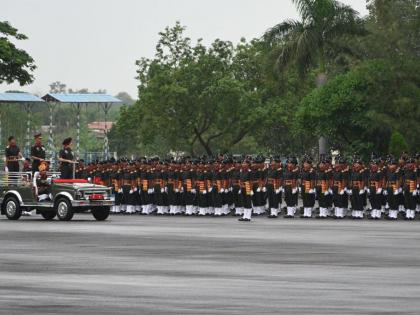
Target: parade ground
180, 265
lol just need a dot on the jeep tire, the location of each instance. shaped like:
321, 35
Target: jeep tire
64, 209
48, 215
12, 208
101, 213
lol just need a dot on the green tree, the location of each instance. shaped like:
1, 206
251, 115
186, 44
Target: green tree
310, 43
15, 64
397, 144
196, 98
359, 110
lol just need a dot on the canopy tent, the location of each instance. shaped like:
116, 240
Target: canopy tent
27, 100
77, 100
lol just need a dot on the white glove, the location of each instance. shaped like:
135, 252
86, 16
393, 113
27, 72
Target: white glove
150, 191
89, 179
222, 190
278, 191
385, 192
204, 192
239, 192
135, 189
120, 190
326, 193
294, 190
312, 191
379, 191
166, 189
300, 189
193, 191
415, 193
330, 191
162, 190
361, 191
252, 193
177, 190
400, 190
349, 192
182, 189
342, 192
396, 192
211, 189
131, 191
258, 189
264, 189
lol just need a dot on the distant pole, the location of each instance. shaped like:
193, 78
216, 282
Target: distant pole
28, 108
78, 107
106, 107
51, 146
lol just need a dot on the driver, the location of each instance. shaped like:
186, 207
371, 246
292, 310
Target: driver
42, 182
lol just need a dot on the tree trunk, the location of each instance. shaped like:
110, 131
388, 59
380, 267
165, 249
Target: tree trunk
321, 79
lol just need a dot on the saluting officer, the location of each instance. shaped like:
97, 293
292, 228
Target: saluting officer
66, 159
37, 152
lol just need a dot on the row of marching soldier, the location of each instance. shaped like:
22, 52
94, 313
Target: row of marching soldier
245, 186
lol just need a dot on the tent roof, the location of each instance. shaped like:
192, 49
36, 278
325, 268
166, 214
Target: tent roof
80, 98
19, 98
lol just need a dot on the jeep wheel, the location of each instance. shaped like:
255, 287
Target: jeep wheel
48, 215
12, 208
64, 210
101, 214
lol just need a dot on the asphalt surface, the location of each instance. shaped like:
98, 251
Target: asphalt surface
179, 265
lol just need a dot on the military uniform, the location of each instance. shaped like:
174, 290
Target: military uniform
307, 188
12, 153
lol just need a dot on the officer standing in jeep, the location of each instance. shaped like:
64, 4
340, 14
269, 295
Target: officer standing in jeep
37, 152
66, 159
13, 155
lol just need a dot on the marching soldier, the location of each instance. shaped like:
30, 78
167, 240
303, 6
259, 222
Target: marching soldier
246, 191
273, 187
307, 188
410, 188
376, 177
236, 187
358, 189
323, 189
341, 175
291, 178
393, 189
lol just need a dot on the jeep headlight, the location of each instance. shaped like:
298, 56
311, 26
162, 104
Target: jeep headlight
79, 194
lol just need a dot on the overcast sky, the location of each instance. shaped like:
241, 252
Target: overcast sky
95, 43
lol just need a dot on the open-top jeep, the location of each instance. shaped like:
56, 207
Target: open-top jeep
18, 193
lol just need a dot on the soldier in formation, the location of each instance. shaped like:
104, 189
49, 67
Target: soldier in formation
253, 186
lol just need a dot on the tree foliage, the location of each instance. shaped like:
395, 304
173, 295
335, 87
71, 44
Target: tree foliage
197, 98
15, 64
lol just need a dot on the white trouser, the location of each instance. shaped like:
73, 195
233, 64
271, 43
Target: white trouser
274, 212
339, 212
218, 212
247, 213
307, 212
189, 210
393, 214
239, 211
291, 211
323, 212
202, 211
410, 214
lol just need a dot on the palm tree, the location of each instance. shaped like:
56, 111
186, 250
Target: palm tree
308, 43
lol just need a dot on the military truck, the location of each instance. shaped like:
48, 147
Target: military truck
18, 193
